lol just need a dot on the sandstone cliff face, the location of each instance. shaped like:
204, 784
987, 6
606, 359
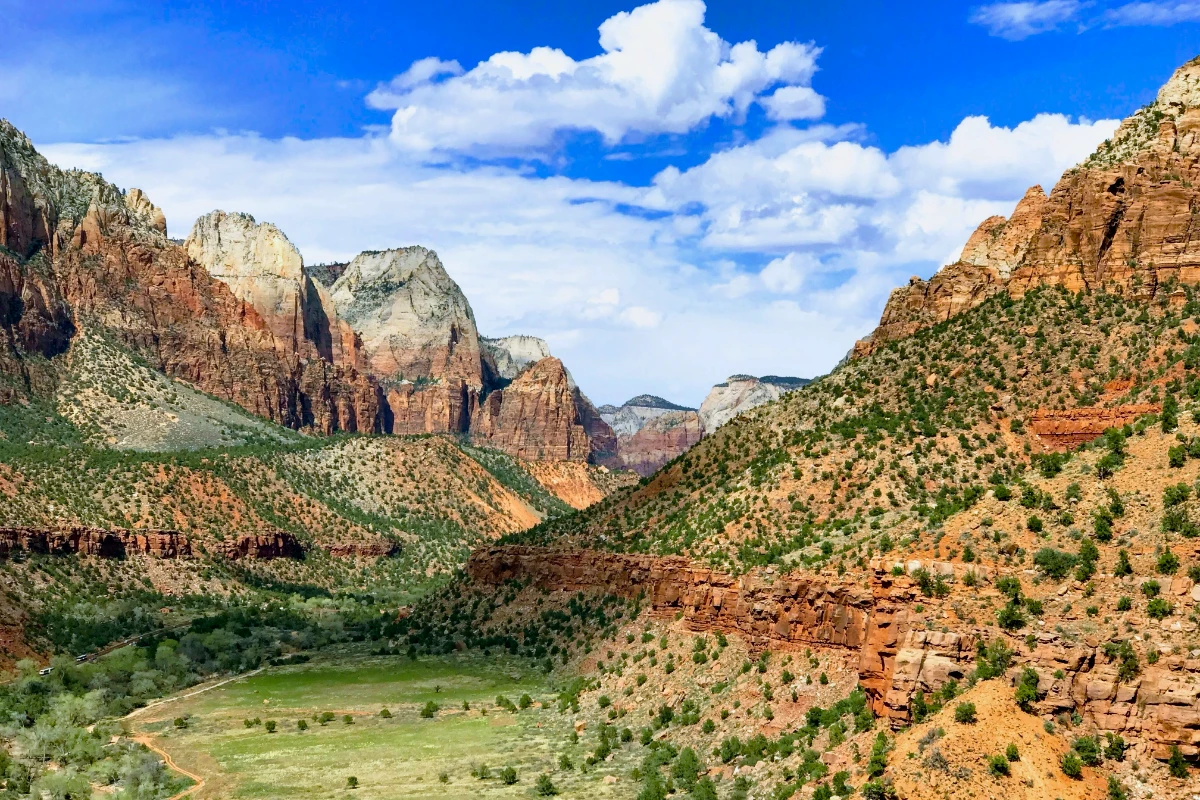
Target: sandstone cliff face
534, 417
1124, 220
263, 546
95, 542
414, 321
1160, 706
1069, 428
504, 358
741, 393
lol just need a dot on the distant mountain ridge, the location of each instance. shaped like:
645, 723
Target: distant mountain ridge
652, 431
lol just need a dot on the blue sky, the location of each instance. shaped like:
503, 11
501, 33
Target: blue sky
669, 192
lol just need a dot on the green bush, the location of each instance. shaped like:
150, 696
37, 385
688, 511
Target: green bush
1071, 765
998, 766
965, 713
1011, 752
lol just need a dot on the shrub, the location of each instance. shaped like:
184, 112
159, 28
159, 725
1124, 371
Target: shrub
877, 790
1072, 767
1027, 689
1168, 562
998, 766
1123, 566
1176, 765
352, 782
1176, 456
270, 725
525, 702
430, 709
1010, 617
1114, 747
385, 714
1054, 563
1151, 588
1158, 608
1124, 603
1012, 753
1034, 523
965, 713
544, 786
301, 725
508, 776
1116, 790
1088, 748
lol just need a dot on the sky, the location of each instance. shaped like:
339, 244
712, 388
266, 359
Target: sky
669, 193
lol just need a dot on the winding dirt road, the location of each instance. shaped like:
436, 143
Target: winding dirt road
148, 741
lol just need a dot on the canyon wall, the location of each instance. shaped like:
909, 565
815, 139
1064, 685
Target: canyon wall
116, 543
1068, 428
1124, 220
1160, 706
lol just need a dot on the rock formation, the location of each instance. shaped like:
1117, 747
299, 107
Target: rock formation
262, 546
414, 321
741, 393
1066, 429
385, 343
1161, 705
95, 542
1124, 221
503, 359
535, 417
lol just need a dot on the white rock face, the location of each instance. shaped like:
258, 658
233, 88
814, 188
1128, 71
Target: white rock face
511, 354
137, 202
741, 393
628, 419
258, 263
412, 317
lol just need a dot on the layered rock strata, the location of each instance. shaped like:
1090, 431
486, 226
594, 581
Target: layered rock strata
1069, 428
740, 393
1124, 220
1160, 706
100, 542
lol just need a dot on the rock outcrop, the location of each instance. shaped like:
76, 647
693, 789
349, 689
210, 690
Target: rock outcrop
1160, 706
1069, 428
95, 542
414, 321
534, 417
1124, 221
261, 546
741, 393
503, 359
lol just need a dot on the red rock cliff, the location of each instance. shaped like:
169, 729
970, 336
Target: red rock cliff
1124, 220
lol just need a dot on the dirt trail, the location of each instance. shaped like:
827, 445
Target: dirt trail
148, 741
193, 693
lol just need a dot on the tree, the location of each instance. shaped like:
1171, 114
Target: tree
1072, 767
704, 789
430, 710
1054, 563
965, 713
1123, 566
386, 714
1168, 562
1176, 765
686, 769
544, 786
301, 725
352, 782
270, 725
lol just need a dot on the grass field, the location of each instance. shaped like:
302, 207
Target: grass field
400, 757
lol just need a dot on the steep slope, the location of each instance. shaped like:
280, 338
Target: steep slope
1124, 220
77, 249
1007, 490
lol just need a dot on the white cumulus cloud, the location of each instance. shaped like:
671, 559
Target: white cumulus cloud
661, 71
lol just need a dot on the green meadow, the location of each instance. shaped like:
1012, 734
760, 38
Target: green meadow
455, 753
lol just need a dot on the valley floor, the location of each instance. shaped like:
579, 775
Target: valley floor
404, 755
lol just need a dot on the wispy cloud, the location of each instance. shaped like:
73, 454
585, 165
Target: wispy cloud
1016, 21
1152, 13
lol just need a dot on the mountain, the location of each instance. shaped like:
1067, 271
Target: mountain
1121, 221
389, 346
995, 494
741, 393
651, 431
